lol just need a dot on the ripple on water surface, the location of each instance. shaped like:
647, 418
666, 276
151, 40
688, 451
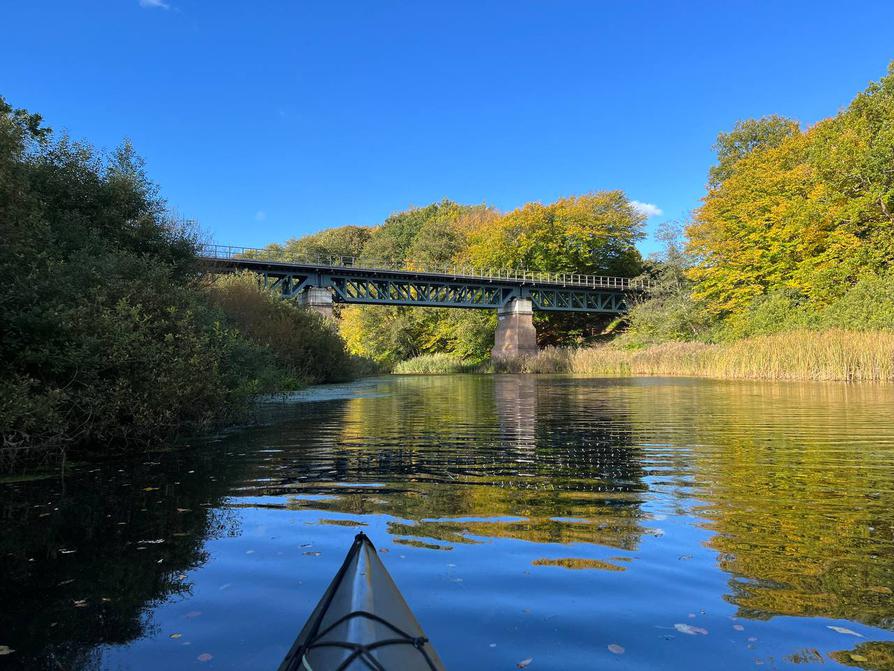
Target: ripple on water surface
637, 524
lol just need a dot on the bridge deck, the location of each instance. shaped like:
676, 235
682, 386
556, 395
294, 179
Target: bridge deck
352, 282
254, 259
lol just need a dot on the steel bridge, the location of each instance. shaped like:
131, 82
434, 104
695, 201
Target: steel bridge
353, 281
515, 294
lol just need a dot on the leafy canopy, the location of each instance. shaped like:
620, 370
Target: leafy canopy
594, 233
812, 214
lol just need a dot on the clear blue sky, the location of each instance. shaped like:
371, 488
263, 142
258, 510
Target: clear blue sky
267, 120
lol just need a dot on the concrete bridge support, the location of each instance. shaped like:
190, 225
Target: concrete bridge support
317, 299
515, 329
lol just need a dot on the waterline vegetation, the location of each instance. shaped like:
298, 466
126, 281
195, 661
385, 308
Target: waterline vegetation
784, 272
832, 355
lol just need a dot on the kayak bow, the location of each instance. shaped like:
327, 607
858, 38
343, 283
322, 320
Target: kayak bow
362, 622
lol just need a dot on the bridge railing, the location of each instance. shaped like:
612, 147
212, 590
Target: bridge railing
230, 252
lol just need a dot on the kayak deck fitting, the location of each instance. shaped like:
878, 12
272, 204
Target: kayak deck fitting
362, 622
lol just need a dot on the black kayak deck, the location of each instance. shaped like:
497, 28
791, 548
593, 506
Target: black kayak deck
362, 622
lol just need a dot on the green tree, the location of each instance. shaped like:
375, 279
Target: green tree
667, 312
108, 340
345, 241
745, 137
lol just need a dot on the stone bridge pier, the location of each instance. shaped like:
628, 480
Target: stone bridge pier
515, 330
318, 299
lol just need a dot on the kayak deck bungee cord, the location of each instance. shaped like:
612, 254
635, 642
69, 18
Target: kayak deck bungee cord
362, 622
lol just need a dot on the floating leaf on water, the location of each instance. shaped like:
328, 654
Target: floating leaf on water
522, 664
150, 489
80, 603
843, 630
689, 629
616, 649
66, 552
6, 650
184, 510
205, 657
177, 635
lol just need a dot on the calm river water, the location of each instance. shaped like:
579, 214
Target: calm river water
576, 523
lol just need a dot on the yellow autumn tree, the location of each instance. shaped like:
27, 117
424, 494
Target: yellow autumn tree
594, 233
812, 214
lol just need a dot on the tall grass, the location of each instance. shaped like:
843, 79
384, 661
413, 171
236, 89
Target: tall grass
432, 364
853, 356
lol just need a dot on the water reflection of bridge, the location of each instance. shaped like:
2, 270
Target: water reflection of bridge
499, 459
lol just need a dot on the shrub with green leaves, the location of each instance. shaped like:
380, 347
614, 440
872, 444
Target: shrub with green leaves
109, 342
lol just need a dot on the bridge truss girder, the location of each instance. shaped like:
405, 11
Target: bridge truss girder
575, 300
369, 290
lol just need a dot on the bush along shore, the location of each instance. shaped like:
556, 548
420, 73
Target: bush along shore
112, 340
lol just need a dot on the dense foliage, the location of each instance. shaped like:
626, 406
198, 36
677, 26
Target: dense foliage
108, 341
593, 233
304, 344
796, 231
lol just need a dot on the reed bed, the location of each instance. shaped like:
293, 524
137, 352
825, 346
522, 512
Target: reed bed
433, 364
852, 356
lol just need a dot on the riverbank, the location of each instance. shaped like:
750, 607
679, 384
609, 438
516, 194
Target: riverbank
832, 355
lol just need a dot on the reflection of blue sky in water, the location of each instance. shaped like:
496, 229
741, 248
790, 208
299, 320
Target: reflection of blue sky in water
521, 517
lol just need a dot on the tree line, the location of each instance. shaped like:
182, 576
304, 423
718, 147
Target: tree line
112, 337
594, 233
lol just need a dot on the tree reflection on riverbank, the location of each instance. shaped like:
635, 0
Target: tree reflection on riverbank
804, 521
776, 500
83, 558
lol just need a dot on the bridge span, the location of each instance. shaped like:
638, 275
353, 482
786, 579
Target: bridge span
515, 294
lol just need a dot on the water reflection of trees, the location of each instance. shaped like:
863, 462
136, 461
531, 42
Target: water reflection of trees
799, 488
84, 558
449, 460
507, 455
